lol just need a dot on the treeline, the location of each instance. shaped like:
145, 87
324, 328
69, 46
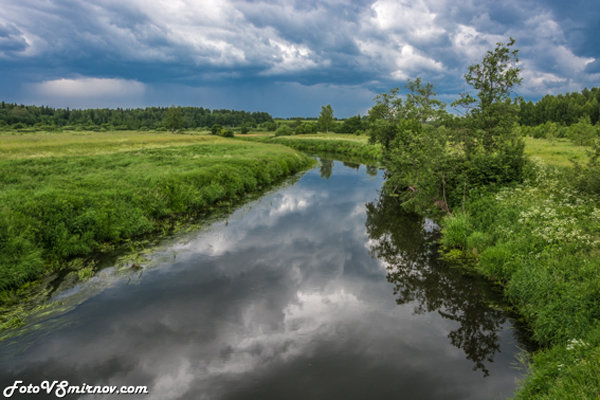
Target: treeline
297, 126
564, 109
20, 116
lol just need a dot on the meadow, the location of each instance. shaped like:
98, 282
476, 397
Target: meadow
540, 240
67, 196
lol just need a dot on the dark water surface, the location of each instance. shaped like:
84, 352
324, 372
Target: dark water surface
319, 290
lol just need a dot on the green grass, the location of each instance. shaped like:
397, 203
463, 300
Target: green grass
64, 196
50, 144
355, 146
541, 241
559, 152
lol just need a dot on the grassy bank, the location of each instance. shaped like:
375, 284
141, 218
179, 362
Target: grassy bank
356, 146
541, 241
65, 196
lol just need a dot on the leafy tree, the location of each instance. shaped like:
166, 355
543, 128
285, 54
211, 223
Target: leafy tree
420, 105
352, 124
173, 119
492, 113
326, 118
414, 148
306, 127
216, 129
493, 149
433, 159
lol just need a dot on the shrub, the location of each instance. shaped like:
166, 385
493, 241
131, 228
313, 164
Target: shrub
284, 130
216, 129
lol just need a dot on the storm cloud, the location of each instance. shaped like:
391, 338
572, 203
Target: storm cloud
284, 57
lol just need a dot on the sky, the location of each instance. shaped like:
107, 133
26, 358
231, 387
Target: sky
285, 57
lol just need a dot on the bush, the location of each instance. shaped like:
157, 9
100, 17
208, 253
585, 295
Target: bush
284, 130
216, 129
268, 126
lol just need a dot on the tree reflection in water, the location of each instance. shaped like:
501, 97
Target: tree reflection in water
326, 168
409, 254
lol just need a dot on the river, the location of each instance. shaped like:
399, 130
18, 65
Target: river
320, 289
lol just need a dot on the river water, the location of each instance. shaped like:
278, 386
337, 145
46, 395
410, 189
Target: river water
318, 290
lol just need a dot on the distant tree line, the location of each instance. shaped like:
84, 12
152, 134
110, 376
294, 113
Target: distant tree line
21, 116
564, 109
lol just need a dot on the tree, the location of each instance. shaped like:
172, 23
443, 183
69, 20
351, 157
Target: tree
493, 113
387, 117
326, 118
352, 124
173, 119
216, 129
432, 159
415, 149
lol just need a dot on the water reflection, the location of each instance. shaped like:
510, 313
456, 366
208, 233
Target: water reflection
326, 168
409, 255
284, 300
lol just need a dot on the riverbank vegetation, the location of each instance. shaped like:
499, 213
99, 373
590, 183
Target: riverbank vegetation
531, 226
356, 146
69, 196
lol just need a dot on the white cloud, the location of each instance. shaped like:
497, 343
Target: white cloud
473, 44
414, 19
90, 88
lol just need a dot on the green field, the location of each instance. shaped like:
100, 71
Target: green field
69, 195
559, 152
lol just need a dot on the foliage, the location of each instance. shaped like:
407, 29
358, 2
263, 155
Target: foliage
564, 109
332, 144
582, 133
326, 118
284, 130
352, 125
269, 126
306, 127
541, 240
587, 177
415, 151
46, 118
173, 119
56, 206
492, 115
245, 128
216, 129
433, 160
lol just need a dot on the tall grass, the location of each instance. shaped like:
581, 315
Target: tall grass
541, 240
57, 207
